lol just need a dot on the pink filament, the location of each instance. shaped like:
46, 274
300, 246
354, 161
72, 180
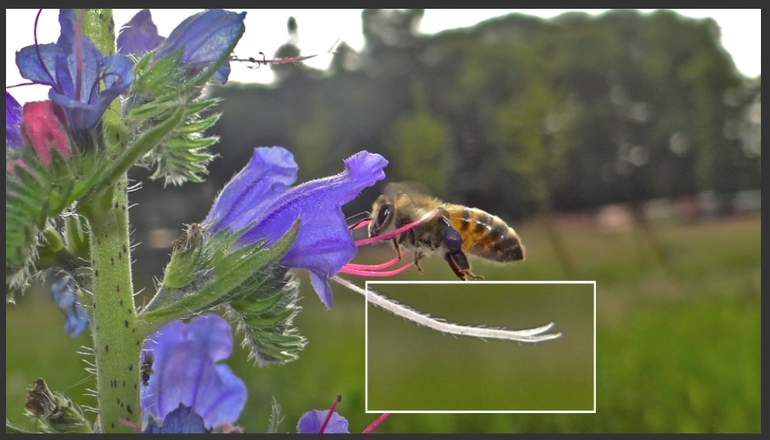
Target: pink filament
375, 423
368, 273
331, 412
377, 266
398, 231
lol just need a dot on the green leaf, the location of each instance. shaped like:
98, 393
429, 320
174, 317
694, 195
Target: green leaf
199, 126
10, 428
275, 417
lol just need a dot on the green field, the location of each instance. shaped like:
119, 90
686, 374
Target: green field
678, 346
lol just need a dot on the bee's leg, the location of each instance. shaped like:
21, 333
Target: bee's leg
417, 257
455, 256
398, 248
453, 265
463, 266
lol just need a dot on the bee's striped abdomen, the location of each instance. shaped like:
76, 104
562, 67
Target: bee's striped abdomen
485, 235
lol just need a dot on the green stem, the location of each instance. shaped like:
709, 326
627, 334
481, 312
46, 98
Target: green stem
117, 344
113, 315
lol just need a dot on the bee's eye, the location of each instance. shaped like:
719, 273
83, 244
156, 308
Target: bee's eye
384, 215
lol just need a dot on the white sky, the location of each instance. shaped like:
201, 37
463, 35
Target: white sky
320, 29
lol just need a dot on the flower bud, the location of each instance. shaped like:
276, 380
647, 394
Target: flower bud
43, 127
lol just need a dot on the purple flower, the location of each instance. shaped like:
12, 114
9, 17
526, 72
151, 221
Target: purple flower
311, 422
64, 295
260, 196
204, 36
139, 35
57, 65
186, 371
12, 123
182, 420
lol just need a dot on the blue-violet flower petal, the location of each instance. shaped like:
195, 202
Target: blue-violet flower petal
139, 35
182, 420
12, 122
64, 295
205, 36
186, 371
311, 422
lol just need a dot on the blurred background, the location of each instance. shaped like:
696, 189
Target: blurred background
624, 147
413, 368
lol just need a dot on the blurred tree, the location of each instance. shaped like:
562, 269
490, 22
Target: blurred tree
514, 114
418, 142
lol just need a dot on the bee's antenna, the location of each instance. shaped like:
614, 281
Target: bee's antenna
358, 219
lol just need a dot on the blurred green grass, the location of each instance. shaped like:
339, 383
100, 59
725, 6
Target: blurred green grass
678, 347
415, 368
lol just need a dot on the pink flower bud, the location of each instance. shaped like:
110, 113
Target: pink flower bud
43, 127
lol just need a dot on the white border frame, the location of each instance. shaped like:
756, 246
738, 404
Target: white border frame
366, 349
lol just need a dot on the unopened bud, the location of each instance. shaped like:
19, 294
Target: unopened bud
43, 126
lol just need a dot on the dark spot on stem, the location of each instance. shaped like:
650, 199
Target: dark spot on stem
107, 348
128, 408
126, 322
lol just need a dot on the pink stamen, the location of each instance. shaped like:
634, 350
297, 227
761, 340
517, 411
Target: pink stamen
362, 224
79, 54
23, 84
377, 266
367, 273
329, 416
397, 232
375, 423
37, 48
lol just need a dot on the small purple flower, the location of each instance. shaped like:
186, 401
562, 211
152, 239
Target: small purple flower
57, 65
12, 123
311, 422
259, 195
64, 295
182, 420
187, 371
139, 35
204, 36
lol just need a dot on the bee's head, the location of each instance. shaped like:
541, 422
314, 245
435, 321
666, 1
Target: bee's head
382, 216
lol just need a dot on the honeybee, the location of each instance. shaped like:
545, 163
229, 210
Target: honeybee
454, 230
